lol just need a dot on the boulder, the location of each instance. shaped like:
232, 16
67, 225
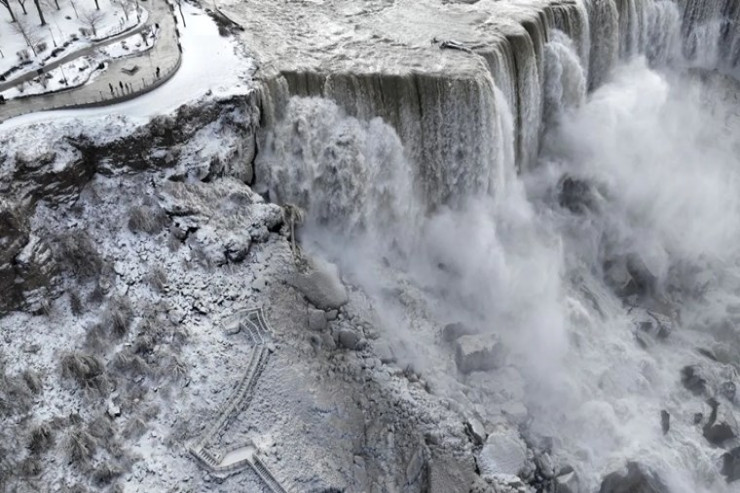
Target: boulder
27, 266
636, 479
545, 465
503, 453
321, 285
452, 332
731, 465
694, 379
728, 390
349, 339
316, 320
654, 327
384, 351
721, 425
566, 481
475, 430
665, 421
576, 195
479, 353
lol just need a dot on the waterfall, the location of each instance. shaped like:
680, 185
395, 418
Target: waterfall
447, 126
444, 122
563, 193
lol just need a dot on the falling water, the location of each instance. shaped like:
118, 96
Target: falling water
625, 208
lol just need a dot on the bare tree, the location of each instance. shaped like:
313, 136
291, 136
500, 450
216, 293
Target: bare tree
92, 18
51, 3
124, 5
30, 32
6, 4
23, 6
41, 13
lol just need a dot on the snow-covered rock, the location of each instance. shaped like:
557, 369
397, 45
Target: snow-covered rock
321, 285
635, 479
503, 453
479, 353
316, 320
721, 425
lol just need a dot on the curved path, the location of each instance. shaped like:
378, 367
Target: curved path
165, 54
254, 324
88, 50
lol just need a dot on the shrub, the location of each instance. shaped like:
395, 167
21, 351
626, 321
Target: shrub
158, 279
105, 474
80, 447
120, 315
30, 467
175, 369
147, 219
40, 439
32, 379
79, 254
87, 371
100, 428
130, 364
96, 338
134, 429
97, 295
75, 304
15, 396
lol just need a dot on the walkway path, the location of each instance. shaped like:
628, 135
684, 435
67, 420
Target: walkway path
89, 50
254, 324
165, 54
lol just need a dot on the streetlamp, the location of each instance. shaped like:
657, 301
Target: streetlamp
52, 37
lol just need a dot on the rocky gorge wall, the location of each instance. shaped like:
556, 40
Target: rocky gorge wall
58, 166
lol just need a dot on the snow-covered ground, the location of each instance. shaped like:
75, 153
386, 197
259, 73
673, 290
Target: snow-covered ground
84, 69
76, 73
138, 43
63, 26
210, 62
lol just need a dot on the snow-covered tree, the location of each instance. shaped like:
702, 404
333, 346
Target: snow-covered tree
6, 4
30, 32
41, 13
92, 19
124, 5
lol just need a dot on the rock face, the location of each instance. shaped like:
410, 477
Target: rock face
636, 479
64, 162
453, 331
567, 481
479, 353
576, 195
693, 379
721, 425
26, 264
349, 339
731, 465
321, 285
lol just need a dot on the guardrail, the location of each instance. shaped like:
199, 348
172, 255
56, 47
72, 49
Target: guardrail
254, 324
